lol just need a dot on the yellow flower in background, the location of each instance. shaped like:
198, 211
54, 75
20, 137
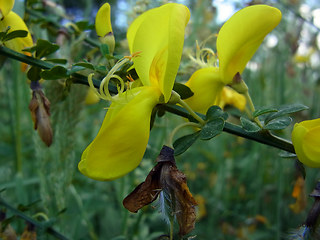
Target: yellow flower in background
231, 97
158, 36
15, 22
103, 26
306, 142
237, 41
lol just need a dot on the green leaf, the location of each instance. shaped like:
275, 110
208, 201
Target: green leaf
104, 48
287, 109
84, 25
85, 65
15, 34
55, 73
76, 69
248, 125
278, 123
216, 112
57, 60
262, 111
43, 48
212, 129
34, 73
183, 143
183, 90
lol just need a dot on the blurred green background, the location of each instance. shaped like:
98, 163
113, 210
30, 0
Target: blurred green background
244, 189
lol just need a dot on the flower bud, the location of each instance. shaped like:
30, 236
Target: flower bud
104, 27
40, 111
306, 142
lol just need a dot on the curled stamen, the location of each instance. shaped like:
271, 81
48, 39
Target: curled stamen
104, 92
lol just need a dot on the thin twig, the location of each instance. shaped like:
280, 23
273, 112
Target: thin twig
40, 225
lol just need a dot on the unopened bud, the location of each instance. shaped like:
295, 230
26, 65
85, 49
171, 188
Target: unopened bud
104, 27
40, 111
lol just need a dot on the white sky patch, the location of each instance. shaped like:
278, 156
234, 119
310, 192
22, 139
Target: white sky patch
316, 17
271, 41
253, 66
225, 9
121, 19
305, 11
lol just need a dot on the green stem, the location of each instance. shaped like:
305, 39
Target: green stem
192, 113
57, 25
40, 225
263, 137
17, 110
174, 131
76, 77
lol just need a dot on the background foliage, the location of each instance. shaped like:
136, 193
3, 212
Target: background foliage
244, 189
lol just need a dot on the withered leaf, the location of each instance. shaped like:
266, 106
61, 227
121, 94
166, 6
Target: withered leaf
145, 193
166, 177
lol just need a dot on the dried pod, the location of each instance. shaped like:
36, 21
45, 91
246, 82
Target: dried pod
40, 111
167, 179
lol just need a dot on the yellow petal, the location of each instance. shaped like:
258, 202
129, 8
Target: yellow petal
241, 35
16, 23
159, 35
306, 142
121, 142
206, 86
5, 7
103, 22
231, 97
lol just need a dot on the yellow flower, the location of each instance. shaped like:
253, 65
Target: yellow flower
231, 97
237, 41
15, 22
306, 142
103, 26
119, 146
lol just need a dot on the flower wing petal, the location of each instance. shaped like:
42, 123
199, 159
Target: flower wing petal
159, 35
206, 86
241, 35
121, 142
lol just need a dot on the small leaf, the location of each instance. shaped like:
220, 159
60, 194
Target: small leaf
216, 112
287, 109
285, 154
262, 111
55, 73
248, 125
15, 34
183, 90
75, 69
183, 143
278, 123
57, 60
212, 129
84, 25
34, 73
85, 64
44, 48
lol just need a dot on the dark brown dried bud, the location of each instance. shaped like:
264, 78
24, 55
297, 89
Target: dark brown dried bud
166, 177
29, 232
40, 111
313, 215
